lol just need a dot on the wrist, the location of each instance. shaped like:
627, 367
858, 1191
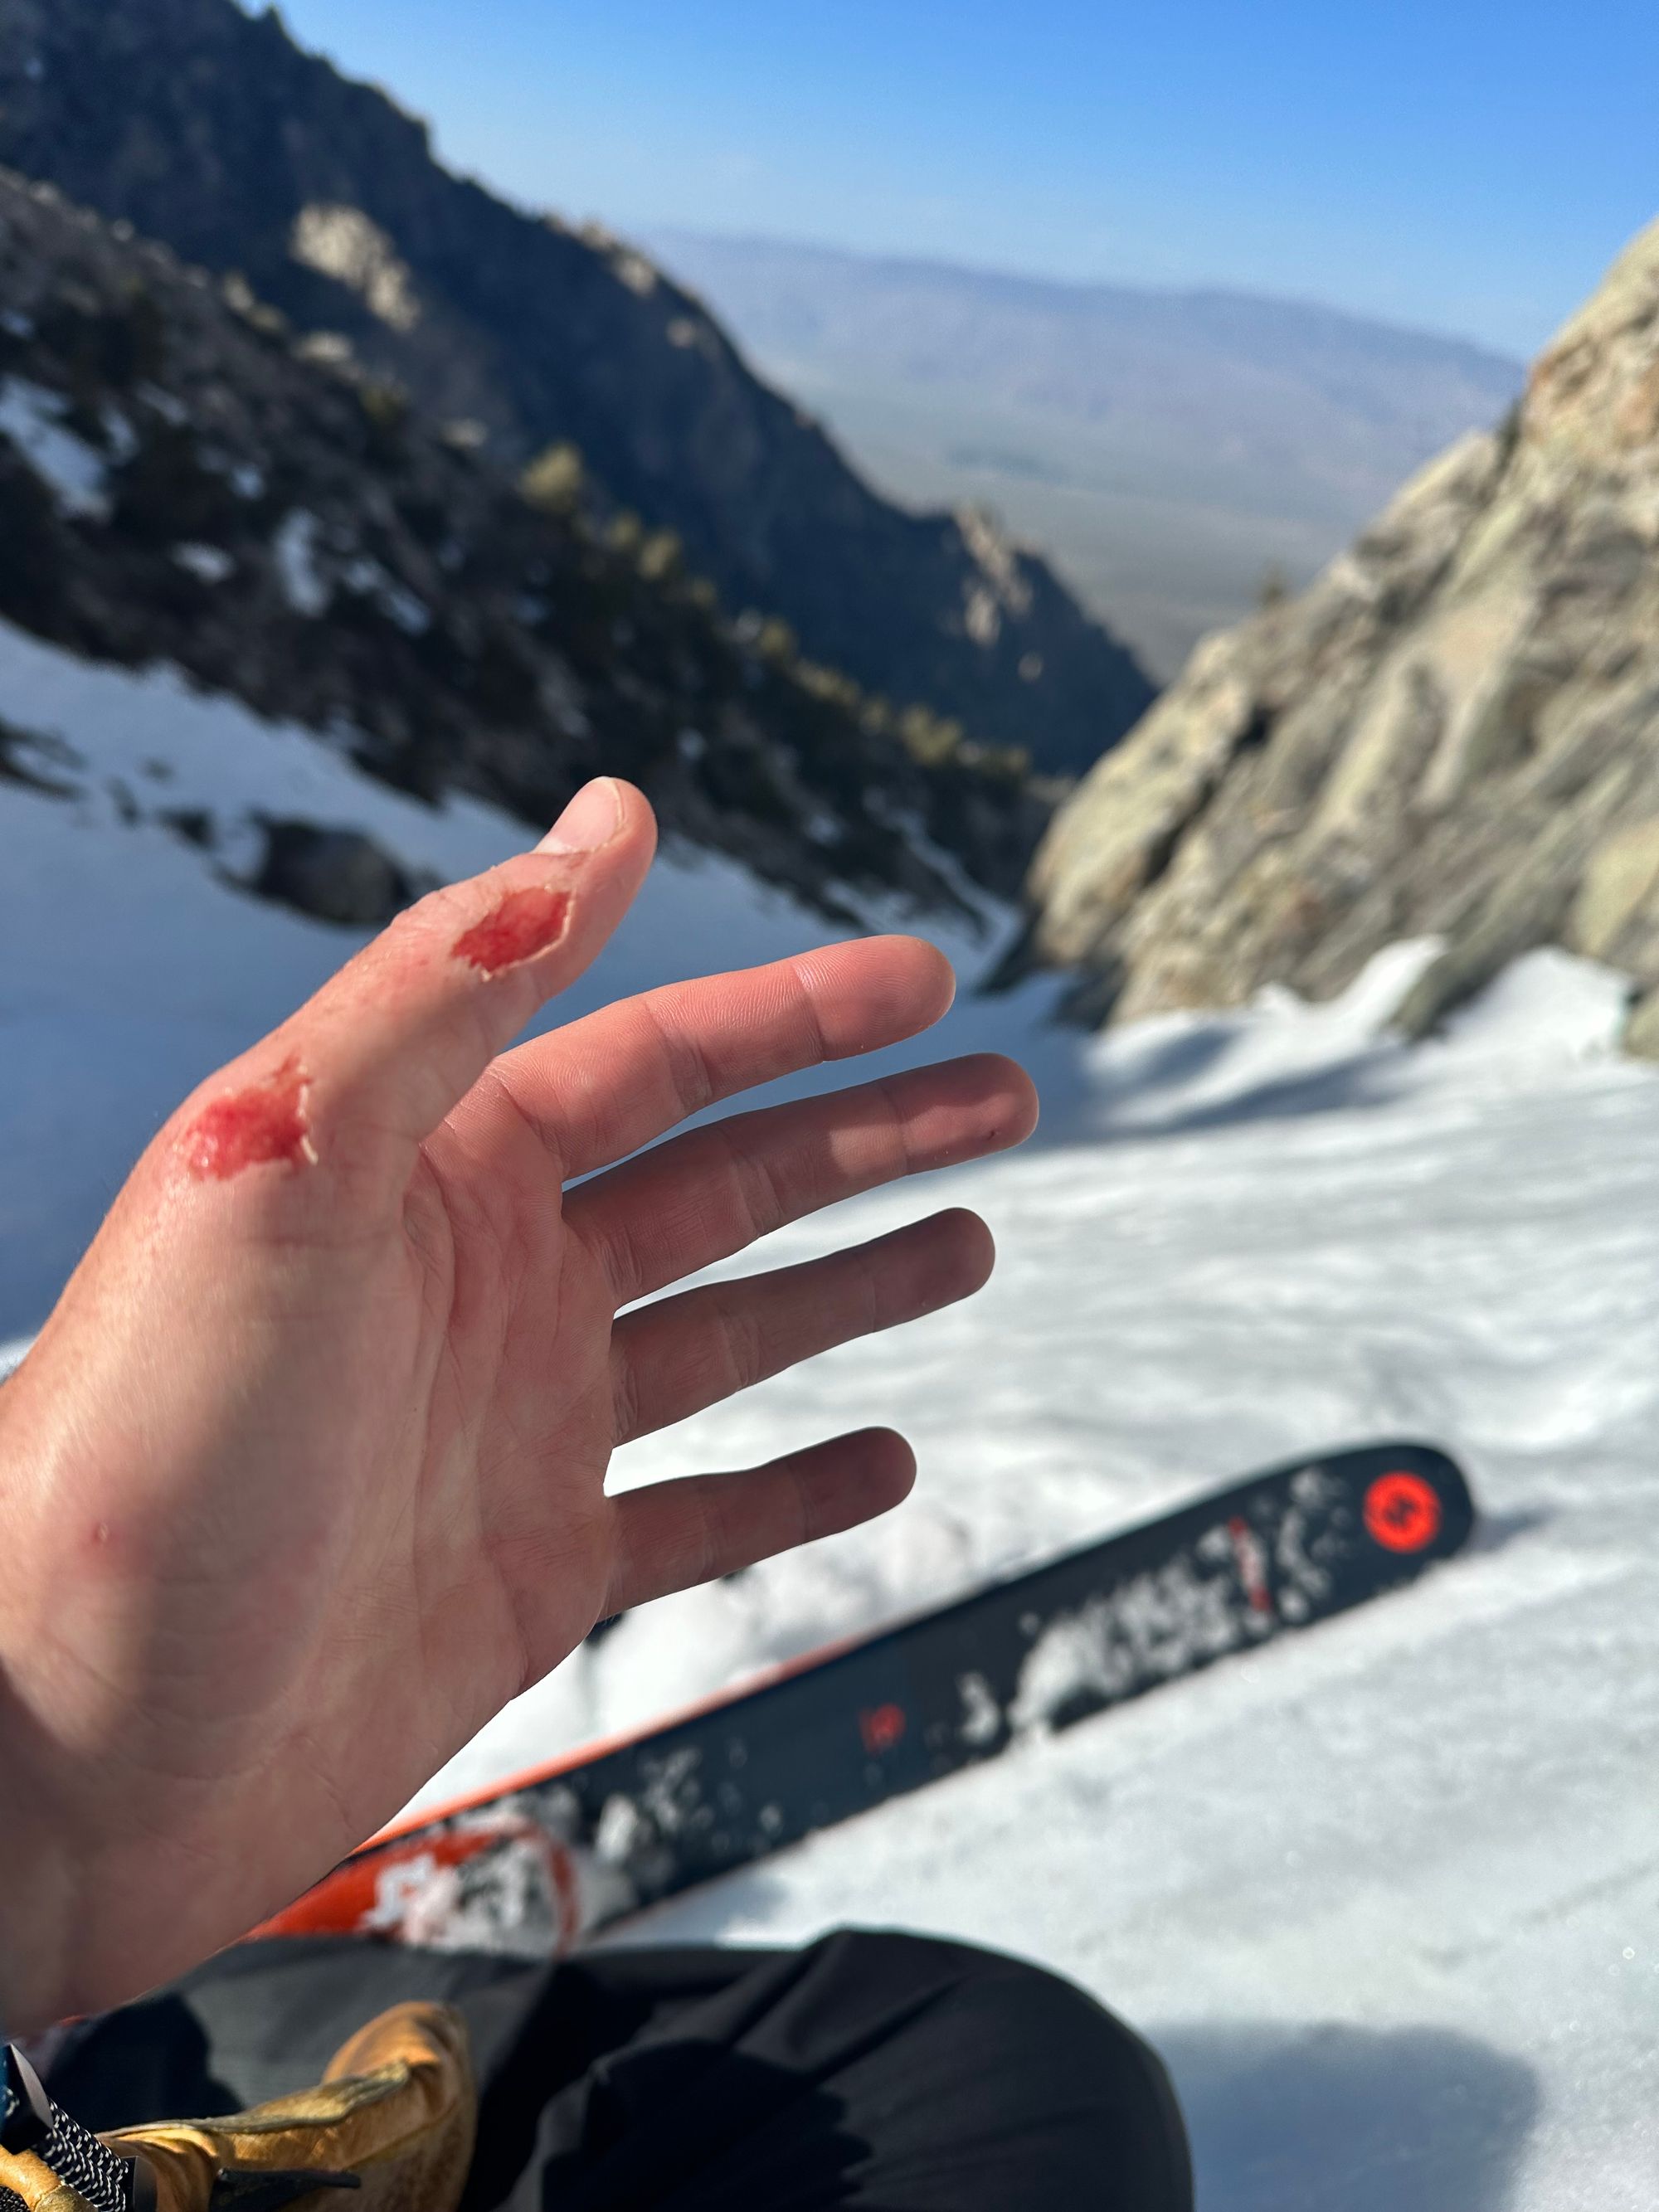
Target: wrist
36, 1910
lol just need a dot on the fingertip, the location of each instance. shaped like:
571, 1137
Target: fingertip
974, 1248
933, 978
639, 817
854, 1478
1008, 1095
1023, 1092
610, 822
888, 1466
877, 991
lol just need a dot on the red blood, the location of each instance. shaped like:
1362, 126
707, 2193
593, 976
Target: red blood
256, 1128
523, 924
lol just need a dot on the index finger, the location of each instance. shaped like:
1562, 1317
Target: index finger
605, 1085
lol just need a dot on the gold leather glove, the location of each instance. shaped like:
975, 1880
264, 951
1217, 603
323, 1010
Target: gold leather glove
392, 2122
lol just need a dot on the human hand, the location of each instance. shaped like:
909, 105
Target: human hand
304, 1479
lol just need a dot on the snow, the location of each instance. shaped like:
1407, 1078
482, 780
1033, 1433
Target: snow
295, 546
1384, 1895
372, 580
211, 564
31, 417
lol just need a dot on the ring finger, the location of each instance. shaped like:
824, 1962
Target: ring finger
672, 1358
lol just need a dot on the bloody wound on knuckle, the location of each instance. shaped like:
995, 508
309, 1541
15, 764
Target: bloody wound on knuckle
263, 1123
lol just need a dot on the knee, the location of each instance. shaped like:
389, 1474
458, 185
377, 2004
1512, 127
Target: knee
1040, 2060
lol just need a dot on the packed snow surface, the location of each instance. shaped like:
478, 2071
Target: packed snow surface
1384, 1895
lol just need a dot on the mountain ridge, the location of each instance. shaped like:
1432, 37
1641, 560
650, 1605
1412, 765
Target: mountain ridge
209, 128
185, 481
1106, 291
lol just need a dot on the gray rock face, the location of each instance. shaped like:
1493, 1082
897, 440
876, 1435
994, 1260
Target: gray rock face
1456, 731
210, 130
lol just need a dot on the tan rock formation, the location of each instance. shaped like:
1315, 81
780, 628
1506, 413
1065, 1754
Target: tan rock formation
1454, 733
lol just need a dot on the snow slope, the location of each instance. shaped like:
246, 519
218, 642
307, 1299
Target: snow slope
129, 970
1386, 1896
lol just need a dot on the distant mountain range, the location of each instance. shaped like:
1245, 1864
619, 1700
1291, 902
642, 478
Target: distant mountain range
1171, 448
208, 129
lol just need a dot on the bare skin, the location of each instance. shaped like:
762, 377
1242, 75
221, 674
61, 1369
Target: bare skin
305, 1476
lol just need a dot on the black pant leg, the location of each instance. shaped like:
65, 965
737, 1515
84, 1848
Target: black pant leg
871, 2070
877, 2070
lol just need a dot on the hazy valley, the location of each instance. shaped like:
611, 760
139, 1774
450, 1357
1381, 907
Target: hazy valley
1168, 451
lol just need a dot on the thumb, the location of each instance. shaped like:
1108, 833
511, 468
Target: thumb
371, 1065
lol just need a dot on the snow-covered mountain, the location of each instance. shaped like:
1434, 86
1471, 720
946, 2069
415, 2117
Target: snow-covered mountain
183, 479
202, 123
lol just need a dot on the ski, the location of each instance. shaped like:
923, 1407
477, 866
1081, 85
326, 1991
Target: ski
543, 1860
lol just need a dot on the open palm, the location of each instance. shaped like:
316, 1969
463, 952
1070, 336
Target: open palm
305, 1478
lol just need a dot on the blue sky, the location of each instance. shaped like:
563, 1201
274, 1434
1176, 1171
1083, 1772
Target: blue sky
1462, 165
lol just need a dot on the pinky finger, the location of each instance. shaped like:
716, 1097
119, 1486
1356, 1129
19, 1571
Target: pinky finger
671, 1536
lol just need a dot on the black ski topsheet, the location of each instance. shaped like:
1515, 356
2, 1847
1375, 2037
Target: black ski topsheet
548, 1856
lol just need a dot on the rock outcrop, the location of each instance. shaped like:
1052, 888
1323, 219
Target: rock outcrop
209, 129
1454, 733
182, 480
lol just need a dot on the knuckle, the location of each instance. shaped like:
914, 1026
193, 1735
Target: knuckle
810, 1012
888, 1090
686, 1072
624, 1397
755, 1194
743, 1338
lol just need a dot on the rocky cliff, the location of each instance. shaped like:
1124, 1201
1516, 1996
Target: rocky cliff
1454, 733
211, 130
183, 479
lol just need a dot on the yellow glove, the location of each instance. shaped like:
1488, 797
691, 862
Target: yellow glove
392, 2121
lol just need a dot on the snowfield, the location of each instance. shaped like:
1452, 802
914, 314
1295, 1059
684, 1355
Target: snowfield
129, 970
1387, 1896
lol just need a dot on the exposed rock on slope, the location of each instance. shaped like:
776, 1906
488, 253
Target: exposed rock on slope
1456, 731
213, 132
179, 481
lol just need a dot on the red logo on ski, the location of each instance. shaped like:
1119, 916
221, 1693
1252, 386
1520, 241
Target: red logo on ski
1403, 1512
881, 1727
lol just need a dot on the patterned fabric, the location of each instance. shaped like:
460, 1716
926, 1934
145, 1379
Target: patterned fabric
90, 2168
31, 2123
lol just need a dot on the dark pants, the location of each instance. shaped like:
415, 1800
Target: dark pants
870, 2070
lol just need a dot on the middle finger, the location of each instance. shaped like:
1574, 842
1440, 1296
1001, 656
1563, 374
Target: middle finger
703, 1196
